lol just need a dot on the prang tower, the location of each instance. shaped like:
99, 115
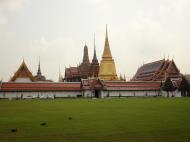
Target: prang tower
107, 69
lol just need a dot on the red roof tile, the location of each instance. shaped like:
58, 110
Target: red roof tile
40, 87
133, 86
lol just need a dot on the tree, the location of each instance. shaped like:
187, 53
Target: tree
184, 87
188, 89
168, 86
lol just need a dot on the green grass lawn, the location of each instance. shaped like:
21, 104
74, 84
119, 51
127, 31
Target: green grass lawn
96, 120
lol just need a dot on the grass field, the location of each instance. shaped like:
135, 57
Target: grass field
96, 120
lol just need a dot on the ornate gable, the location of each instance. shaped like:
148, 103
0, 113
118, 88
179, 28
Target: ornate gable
23, 72
92, 84
172, 68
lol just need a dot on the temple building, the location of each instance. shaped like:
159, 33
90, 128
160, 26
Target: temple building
84, 67
107, 69
23, 74
158, 71
84, 70
72, 74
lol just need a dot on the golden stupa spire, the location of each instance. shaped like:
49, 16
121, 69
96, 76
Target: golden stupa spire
107, 69
107, 51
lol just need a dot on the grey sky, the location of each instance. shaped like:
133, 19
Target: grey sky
140, 31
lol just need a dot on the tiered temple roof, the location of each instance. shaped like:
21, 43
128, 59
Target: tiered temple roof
92, 84
157, 71
72, 74
84, 70
23, 72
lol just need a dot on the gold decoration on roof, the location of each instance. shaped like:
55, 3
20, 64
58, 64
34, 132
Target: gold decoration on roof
23, 72
107, 69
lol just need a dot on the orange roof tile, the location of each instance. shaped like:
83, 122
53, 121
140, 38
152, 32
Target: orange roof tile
40, 87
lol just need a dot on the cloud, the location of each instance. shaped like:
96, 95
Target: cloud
8, 41
41, 44
151, 35
9, 6
58, 49
57, 52
139, 31
12, 5
3, 20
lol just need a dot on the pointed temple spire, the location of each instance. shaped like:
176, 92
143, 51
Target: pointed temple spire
39, 68
60, 76
94, 57
85, 65
107, 51
94, 68
107, 69
39, 76
85, 56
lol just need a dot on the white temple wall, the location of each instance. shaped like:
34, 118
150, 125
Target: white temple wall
127, 93
175, 93
25, 80
25, 95
67, 94
147, 93
130, 93
8, 95
88, 93
103, 94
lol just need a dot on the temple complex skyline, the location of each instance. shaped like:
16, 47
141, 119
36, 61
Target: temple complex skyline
158, 70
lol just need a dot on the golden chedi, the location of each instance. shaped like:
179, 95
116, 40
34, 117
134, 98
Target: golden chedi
107, 69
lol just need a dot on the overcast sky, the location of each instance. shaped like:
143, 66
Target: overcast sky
140, 31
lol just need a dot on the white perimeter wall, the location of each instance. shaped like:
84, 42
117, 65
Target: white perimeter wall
175, 93
129, 93
88, 94
39, 94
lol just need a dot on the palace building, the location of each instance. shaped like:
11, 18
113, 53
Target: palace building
89, 79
